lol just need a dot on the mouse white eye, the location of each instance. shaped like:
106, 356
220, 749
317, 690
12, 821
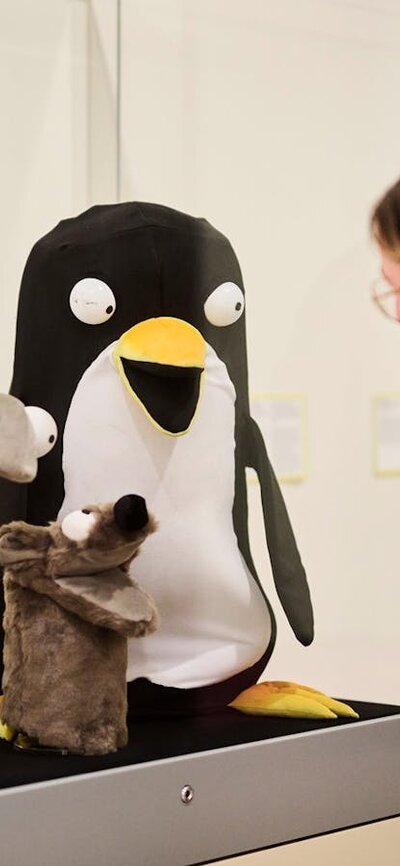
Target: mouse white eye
225, 305
78, 525
92, 301
44, 428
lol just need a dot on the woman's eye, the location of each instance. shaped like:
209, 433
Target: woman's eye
92, 301
225, 305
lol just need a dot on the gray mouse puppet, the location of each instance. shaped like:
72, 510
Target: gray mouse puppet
70, 607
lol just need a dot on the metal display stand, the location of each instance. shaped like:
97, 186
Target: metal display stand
195, 807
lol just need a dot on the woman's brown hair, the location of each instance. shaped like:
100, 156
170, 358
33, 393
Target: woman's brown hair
385, 220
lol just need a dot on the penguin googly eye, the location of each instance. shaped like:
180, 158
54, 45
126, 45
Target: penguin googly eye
44, 428
225, 305
92, 301
78, 525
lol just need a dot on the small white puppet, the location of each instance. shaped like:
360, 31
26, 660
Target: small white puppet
26, 433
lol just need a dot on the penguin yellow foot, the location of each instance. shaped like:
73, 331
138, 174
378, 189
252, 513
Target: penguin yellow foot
6, 733
22, 742
278, 698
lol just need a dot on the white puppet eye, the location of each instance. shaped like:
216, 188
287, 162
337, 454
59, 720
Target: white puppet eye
225, 305
44, 428
92, 301
78, 525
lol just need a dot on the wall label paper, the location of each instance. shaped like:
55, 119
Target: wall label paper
386, 434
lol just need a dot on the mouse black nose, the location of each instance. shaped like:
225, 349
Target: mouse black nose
130, 513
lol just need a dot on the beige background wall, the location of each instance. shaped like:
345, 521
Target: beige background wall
279, 122
378, 843
42, 172
58, 141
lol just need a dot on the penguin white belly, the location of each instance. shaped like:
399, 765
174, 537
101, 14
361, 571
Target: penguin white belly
214, 619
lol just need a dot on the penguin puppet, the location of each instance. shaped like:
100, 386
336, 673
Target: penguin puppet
131, 332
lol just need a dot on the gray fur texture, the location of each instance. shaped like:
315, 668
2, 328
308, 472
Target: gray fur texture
18, 458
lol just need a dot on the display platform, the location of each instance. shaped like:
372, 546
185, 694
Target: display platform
189, 791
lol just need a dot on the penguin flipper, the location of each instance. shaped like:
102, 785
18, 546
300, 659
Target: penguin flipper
277, 698
287, 568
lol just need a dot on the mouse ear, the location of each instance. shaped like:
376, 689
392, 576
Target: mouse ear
20, 541
18, 456
108, 599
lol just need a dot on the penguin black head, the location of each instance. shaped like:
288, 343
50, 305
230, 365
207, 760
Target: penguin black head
159, 284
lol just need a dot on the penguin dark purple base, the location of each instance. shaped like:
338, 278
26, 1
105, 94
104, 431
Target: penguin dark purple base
131, 333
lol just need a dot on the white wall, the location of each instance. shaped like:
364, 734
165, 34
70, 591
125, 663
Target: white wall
279, 123
58, 142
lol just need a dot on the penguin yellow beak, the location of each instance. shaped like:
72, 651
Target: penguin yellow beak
161, 364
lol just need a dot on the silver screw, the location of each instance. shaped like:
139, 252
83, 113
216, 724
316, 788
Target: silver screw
187, 794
